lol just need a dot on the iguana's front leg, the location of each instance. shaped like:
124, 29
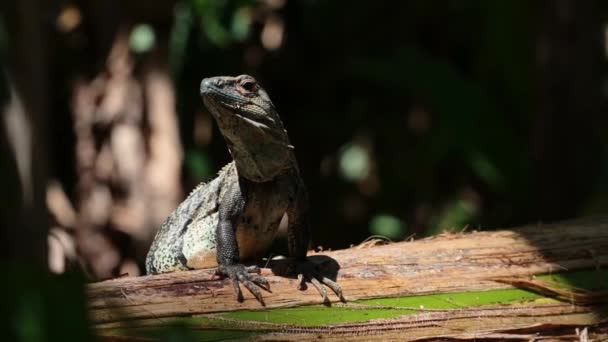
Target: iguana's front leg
298, 235
228, 260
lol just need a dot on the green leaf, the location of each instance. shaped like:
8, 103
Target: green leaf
198, 164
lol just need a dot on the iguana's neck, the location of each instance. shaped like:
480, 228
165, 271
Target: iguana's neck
261, 166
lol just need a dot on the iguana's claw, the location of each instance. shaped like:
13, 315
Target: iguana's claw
243, 274
307, 272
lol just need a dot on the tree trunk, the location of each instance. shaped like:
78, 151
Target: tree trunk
23, 134
531, 282
128, 157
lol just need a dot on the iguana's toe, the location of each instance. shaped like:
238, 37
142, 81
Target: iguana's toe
308, 272
241, 274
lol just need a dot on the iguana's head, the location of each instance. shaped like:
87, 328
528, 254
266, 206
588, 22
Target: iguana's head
250, 124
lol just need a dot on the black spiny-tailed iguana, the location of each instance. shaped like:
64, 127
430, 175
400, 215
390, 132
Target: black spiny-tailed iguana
235, 216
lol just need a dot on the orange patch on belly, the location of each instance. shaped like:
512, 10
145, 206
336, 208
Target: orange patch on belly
253, 244
203, 259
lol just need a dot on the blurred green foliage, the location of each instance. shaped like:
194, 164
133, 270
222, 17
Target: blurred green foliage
409, 117
223, 21
198, 164
35, 305
388, 226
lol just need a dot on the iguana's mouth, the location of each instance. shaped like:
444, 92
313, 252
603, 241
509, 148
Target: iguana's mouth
253, 122
237, 110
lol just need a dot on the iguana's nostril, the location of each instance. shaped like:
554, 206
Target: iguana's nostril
206, 84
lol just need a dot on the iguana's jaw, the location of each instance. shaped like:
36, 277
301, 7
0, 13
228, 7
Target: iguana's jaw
250, 124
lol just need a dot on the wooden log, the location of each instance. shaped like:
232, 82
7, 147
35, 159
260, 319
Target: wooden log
449, 263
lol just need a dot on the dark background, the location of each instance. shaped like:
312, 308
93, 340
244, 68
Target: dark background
409, 118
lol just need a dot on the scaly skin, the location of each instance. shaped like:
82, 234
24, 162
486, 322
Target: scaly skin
235, 217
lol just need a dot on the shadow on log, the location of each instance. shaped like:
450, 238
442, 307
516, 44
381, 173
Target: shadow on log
541, 280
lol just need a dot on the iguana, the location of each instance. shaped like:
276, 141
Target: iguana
235, 216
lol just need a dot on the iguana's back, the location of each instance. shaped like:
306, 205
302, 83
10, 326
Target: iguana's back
195, 219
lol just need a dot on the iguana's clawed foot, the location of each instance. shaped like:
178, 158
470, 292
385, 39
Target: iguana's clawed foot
308, 272
247, 276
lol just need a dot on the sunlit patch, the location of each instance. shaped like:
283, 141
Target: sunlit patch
68, 19
272, 33
388, 226
142, 38
354, 162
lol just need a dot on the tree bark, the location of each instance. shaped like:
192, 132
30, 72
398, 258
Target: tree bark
447, 264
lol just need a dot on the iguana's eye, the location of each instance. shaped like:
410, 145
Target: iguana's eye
249, 86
